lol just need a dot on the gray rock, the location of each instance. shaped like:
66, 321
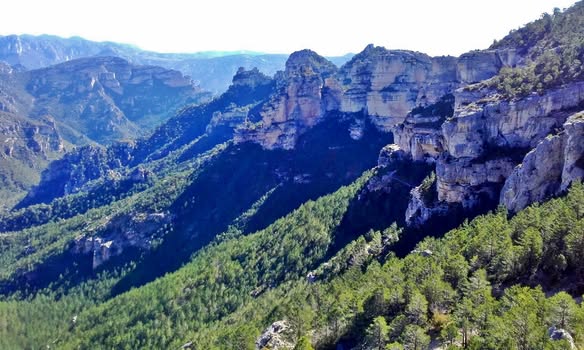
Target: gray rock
298, 104
548, 169
118, 234
557, 334
275, 337
390, 153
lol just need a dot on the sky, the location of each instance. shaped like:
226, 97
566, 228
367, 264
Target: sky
436, 27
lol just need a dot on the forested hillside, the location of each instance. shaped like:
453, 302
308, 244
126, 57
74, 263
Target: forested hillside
400, 201
492, 283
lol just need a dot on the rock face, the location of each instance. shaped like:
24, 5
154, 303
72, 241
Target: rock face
234, 116
484, 141
299, 103
421, 209
250, 78
124, 232
420, 135
478, 148
390, 153
274, 337
549, 168
476, 66
389, 84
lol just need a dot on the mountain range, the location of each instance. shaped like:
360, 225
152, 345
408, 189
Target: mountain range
212, 70
396, 201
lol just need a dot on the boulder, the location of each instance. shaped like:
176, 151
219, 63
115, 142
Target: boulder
556, 334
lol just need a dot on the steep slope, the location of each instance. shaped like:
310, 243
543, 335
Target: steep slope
479, 148
229, 227
94, 100
128, 175
235, 289
107, 98
199, 127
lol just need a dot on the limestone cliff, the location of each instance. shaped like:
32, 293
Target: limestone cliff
486, 139
387, 85
298, 104
549, 168
477, 149
419, 135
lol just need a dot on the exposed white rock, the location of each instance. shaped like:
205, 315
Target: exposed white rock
573, 150
120, 233
466, 181
388, 84
298, 105
481, 138
419, 212
548, 169
275, 337
556, 334
509, 124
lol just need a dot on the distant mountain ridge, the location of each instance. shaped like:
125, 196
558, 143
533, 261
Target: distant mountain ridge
212, 69
94, 100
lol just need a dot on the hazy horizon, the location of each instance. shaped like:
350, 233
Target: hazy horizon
450, 27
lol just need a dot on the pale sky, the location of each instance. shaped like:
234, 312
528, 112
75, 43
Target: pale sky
436, 27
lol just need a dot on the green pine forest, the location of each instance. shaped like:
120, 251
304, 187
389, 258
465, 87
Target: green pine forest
248, 238
492, 283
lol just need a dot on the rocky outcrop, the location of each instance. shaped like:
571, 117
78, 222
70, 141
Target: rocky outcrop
573, 150
389, 84
275, 337
390, 154
250, 78
549, 168
478, 148
299, 103
235, 116
471, 182
119, 234
476, 66
486, 139
485, 124
420, 135
420, 211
